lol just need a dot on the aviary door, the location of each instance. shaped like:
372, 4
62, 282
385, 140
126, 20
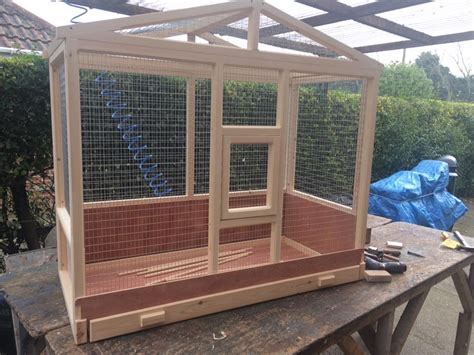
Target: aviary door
248, 162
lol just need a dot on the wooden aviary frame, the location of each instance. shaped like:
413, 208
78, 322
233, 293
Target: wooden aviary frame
193, 177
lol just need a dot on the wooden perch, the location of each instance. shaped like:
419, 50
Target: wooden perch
200, 268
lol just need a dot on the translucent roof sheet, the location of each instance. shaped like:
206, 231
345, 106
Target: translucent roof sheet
436, 18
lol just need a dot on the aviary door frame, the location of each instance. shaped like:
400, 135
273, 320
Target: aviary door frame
222, 136
253, 136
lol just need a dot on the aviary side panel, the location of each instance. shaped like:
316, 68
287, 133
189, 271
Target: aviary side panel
126, 231
316, 226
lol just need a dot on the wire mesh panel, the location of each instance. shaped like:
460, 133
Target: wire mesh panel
202, 136
133, 134
250, 96
140, 228
327, 138
318, 214
248, 173
64, 138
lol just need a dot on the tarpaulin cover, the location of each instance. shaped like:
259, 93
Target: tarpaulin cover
417, 196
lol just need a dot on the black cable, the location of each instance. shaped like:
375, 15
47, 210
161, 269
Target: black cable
84, 9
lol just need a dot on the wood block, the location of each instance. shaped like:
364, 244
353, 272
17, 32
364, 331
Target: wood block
377, 276
326, 280
394, 245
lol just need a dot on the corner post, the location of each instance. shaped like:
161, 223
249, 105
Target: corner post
364, 160
73, 110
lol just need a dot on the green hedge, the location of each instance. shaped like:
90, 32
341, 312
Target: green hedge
408, 130
412, 130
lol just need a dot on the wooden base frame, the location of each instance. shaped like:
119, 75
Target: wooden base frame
118, 324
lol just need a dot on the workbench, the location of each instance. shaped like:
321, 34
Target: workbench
309, 322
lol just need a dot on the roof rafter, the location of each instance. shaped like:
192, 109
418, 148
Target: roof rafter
380, 23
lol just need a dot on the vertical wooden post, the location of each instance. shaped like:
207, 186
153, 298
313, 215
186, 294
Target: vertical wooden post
281, 123
465, 289
383, 337
254, 25
292, 134
57, 158
366, 148
215, 166
77, 256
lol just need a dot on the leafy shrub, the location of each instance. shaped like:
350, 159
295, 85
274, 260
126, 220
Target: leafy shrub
408, 131
401, 80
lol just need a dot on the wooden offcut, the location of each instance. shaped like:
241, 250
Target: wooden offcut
377, 276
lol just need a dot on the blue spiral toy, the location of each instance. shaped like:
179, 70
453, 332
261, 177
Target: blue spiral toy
152, 177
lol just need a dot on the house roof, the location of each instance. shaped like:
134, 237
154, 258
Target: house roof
20, 28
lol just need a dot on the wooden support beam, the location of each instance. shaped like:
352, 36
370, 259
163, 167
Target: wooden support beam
371, 20
349, 346
454, 37
465, 288
254, 25
410, 313
215, 185
463, 334
212, 39
383, 337
357, 11
464, 291
367, 335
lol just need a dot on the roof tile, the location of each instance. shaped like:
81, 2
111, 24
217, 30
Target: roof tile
20, 28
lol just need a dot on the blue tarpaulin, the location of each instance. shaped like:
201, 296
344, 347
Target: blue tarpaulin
417, 196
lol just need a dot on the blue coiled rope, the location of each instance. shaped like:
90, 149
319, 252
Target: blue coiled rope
152, 177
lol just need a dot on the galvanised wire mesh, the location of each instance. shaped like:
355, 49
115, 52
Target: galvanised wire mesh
64, 138
203, 136
327, 138
250, 96
134, 127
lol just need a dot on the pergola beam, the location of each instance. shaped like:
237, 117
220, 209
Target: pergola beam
380, 23
454, 37
356, 12
118, 6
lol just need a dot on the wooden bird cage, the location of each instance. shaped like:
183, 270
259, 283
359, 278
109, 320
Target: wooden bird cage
192, 177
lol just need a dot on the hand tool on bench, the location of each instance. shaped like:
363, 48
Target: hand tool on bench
381, 254
464, 244
393, 267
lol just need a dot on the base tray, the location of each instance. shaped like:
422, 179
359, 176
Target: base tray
152, 269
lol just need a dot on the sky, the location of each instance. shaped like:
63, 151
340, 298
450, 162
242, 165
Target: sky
441, 16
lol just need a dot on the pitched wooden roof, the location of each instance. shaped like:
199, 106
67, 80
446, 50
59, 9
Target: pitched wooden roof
20, 28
